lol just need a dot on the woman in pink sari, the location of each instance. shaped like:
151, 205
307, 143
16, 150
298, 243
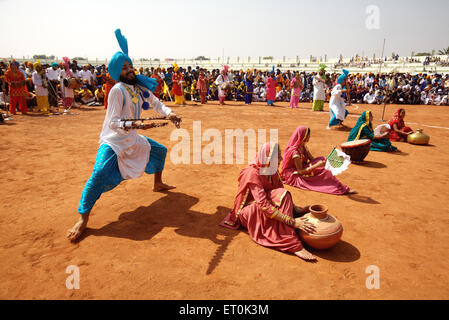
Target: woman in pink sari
301, 170
266, 209
271, 89
297, 86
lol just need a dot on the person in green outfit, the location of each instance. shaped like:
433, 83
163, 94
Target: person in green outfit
364, 130
319, 85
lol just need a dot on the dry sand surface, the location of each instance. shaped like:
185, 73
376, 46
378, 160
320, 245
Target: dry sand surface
145, 245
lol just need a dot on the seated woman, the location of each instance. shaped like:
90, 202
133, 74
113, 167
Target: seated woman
399, 131
364, 130
301, 170
266, 209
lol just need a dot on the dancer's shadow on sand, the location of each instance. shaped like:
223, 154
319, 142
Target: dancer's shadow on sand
171, 211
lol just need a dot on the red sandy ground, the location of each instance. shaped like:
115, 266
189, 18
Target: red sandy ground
145, 245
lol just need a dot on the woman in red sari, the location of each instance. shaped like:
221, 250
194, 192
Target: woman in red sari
266, 209
399, 131
301, 170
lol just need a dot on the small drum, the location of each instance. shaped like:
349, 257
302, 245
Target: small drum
226, 86
357, 150
72, 83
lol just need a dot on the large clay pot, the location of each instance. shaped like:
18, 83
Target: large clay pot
418, 138
328, 229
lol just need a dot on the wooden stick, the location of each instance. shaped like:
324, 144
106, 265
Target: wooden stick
146, 119
383, 113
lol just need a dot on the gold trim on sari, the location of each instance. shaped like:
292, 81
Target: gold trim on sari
363, 125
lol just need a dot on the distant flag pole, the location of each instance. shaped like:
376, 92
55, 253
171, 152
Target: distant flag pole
380, 71
382, 57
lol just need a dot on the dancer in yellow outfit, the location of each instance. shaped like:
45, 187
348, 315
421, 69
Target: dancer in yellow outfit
178, 86
40, 84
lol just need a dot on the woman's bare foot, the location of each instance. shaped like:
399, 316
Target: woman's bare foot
78, 228
306, 255
158, 187
351, 191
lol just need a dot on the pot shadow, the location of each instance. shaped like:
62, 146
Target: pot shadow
171, 211
363, 199
399, 153
371, 164
341, 252
425, 145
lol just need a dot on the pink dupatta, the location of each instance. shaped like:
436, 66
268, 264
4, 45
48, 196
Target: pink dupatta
252, 174
295, 141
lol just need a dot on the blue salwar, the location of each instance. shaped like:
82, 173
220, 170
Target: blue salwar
334, 121
106, 174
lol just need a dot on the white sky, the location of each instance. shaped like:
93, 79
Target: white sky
189, 28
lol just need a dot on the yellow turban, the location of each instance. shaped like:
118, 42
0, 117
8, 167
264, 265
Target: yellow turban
175, 67
37, 64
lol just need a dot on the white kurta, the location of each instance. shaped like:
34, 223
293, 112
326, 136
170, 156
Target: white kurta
38, 85
52, 74
132, 150
219, 81
337, 103
86, 75
369, 98
319, 92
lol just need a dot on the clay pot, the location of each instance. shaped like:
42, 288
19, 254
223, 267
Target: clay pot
418, 138
328, 229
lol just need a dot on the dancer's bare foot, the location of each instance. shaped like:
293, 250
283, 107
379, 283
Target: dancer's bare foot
306, 255
328, 128
351, 191
158, 187
78, 228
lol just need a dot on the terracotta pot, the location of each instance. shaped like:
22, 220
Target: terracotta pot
328, 229
418, 138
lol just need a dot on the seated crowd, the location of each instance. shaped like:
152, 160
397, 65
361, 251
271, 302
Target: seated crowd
93, 84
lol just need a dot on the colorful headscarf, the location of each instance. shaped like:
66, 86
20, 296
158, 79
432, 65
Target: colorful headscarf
175, 67
66, 65
397, 120
37, 64
265, 155
362, 122
116, 65
253, 174
343, 76
295, 141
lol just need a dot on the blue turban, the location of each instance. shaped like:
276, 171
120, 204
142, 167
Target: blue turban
55, 65
343, 76
116, 64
